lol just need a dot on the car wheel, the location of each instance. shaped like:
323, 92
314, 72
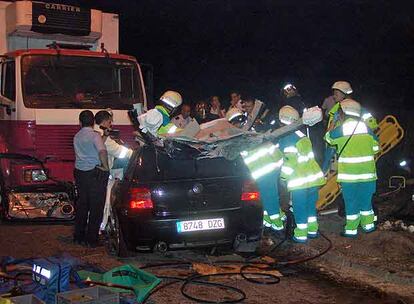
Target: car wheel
115, 242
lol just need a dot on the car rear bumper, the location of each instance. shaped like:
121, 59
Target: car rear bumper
146, 230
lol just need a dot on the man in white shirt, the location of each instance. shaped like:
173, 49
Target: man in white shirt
116, 151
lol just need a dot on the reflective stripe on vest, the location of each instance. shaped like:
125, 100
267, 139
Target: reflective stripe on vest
306, 158
297, 182
366, 116
351, 113
354, 127
262, 152
287, 170
266, 169
355, 177
355, 160
290, 149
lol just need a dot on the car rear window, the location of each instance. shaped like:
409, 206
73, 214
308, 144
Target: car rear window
158, 165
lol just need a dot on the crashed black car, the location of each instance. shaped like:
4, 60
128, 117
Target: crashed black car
170, 202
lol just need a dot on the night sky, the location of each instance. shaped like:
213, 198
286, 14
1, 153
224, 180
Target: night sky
203, 48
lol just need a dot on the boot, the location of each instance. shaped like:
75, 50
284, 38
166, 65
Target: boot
267, 222
300, 234
277, 221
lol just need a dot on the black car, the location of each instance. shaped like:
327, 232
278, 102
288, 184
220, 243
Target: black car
169, 202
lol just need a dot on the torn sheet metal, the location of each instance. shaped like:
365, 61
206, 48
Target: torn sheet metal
219, 138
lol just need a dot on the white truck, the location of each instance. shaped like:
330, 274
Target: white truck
56, 60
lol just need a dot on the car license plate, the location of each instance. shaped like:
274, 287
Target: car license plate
199, 225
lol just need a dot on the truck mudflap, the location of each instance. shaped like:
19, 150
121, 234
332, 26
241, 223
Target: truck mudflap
389, 133
40, 202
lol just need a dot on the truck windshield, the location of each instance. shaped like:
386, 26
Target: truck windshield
66, 82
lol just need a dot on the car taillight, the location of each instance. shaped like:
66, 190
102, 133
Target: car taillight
250, 191
140, 198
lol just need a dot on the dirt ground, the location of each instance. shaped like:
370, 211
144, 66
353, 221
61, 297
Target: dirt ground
374, 268
382, 260
296, 286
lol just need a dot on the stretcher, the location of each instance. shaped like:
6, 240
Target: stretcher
389, 133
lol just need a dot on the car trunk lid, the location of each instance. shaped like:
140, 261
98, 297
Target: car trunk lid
184, 187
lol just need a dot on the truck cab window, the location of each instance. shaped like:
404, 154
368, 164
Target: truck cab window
8, 80
68, 82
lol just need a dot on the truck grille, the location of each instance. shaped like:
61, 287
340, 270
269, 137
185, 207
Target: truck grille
55, 141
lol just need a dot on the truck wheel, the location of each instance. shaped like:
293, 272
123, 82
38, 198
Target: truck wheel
115, 243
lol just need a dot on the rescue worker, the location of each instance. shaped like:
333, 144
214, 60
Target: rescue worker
158, 121
356, 146
303, 177
291, 97
118, 156
254, 109
236, 117
342, 90
264, 165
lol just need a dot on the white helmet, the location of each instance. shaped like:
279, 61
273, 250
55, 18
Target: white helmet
171, 100
288, 115
235, 115
343, 86
351, 107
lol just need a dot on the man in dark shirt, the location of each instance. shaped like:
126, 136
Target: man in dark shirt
91, 177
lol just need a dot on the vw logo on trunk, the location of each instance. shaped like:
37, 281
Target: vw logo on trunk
197, 188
